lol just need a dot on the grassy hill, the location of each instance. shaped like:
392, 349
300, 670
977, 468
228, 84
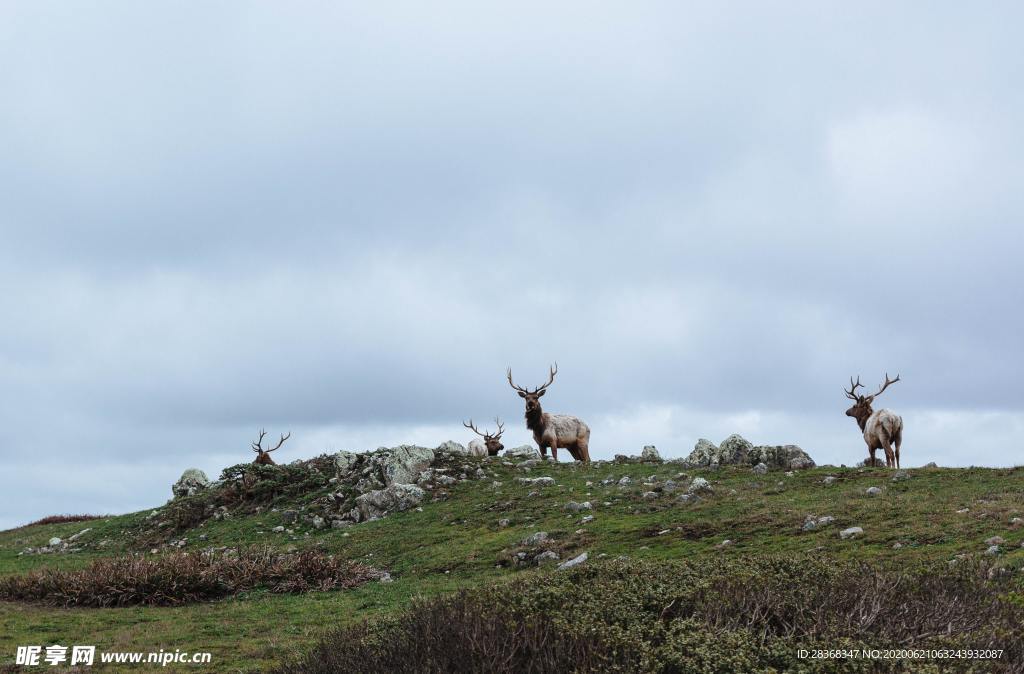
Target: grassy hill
459, 539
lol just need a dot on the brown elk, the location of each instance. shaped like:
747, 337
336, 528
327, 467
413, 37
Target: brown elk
263, 455
882, 429
491, 444
553, 430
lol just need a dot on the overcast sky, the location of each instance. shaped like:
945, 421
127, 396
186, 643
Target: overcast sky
346, 219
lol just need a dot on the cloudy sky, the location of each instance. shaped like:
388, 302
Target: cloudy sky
346, 219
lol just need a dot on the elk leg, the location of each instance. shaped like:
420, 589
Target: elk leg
873, 459
898, 441
583, 450
554, 450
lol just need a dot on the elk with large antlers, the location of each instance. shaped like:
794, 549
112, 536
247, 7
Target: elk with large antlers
882, 429
491, 443
263, 455
553, 430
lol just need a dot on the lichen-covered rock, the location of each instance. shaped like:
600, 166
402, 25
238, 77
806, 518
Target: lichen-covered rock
852, 532
781, 457
734, 449
650, 454
699, 485
546, 556
395, 498
191, 482
345, 461
704, 452
536, 538
403, 464
575, 561
761, 468
451, 447
522, 452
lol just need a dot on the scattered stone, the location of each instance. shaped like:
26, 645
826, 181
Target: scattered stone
650, 454
688, 498
761, 468
319, 522
897, 545
780, 457
279, 529
1016, 521
993, 550
536, 538
829, 479
546, 556
963, 511
385, 577
522, 452
575, 561
504, 522
191, 482
54, 542
724, 544
699, 485
873, 491
626, 481
574, 507
587, 519
450, 447
340, 524
852, 532
900, 476
995, 540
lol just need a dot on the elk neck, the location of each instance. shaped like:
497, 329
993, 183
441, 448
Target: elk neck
862, 417
534, 419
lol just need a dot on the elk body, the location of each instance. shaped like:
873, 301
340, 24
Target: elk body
882, 429
490, 445
557, 431
263, 455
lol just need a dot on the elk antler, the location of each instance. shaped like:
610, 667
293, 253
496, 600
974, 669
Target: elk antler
886, 385
853, 387
551, 378
471, 426
501, 428
257, 446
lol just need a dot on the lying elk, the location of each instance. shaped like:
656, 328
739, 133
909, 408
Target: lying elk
882, 429
553, 430
490, 445
263, 455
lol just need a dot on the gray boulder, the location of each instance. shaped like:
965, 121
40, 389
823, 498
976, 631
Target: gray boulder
536, 538
395, 498
575, 561
873, 491
782, 457
699, 485
650, 454
734, 449
345, 461
451, 447
191, 482
761, 468
852, 532
522, 452
403, 464
546, 556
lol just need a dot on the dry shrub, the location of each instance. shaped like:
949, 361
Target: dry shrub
61, 519
713, 615
185, 577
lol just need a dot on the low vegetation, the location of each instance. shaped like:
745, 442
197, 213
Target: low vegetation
61, 519
185, 577
747, 615
682, 599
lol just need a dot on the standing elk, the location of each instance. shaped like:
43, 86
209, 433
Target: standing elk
882, 429
553, 430
263, 455
490, 445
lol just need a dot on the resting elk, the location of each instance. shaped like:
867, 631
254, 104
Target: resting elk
263, 455
490, 445
553, 430
882, 429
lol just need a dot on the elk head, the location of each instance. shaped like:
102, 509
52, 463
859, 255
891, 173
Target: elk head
532, 398
493, 442
861, 409
263, 455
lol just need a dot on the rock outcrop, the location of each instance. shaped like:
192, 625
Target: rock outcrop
191, 482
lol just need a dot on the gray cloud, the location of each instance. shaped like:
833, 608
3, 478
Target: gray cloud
348, 220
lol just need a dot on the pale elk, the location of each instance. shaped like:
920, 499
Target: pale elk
557, 431
491, 443
263, 455
882, 429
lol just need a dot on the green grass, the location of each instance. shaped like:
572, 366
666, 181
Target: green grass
458, 543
